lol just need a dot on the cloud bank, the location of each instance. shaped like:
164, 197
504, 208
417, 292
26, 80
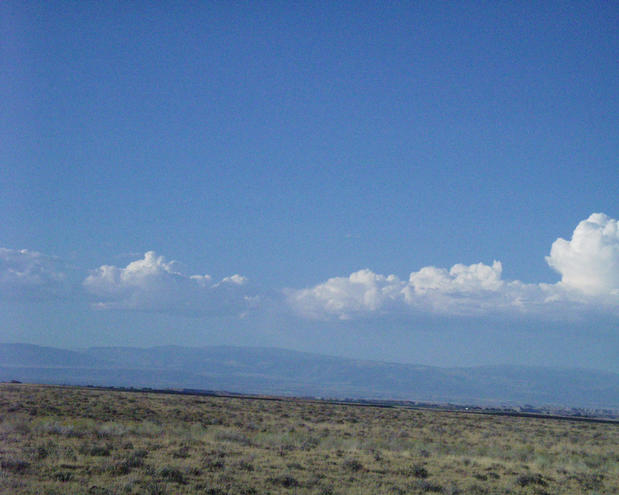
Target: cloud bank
30, 275
588, 265
154, 284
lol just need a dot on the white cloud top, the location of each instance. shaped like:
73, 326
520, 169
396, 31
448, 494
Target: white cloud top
30, 275
363, 291
460, 278
154, 284
588, 264
462, 290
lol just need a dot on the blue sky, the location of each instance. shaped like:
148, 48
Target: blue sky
346, 174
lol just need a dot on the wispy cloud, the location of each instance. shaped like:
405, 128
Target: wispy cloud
588, 264
30, 275
154, 284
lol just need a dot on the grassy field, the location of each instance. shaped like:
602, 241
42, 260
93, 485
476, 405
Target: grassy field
62, 440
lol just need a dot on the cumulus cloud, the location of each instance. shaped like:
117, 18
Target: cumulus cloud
28, 275
154, 284
588, 264
462, 289
460, 278
363, 291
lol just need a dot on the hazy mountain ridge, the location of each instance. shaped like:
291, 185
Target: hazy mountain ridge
34, 355
280, 371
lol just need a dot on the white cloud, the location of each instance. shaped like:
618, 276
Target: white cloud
589, 265
234, 280
26, 274
154, 284
589, 262
362, 292
460, 278
462, 289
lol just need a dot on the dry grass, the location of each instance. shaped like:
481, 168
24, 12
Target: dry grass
61, 440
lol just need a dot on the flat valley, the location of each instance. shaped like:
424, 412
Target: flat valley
72, 440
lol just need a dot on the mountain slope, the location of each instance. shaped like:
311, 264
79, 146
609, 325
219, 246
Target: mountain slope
285, 372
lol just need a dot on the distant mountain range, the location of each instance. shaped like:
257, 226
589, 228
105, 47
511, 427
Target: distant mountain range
283, 372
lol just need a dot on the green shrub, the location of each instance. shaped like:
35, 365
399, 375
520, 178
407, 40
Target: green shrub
14, 465
99, 451
427, 487
154, 488
531, 479
63, 476
419, 471
172, 474
352, 465
98, 490
285, 481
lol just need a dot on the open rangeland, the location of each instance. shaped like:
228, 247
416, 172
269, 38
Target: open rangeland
63, 440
